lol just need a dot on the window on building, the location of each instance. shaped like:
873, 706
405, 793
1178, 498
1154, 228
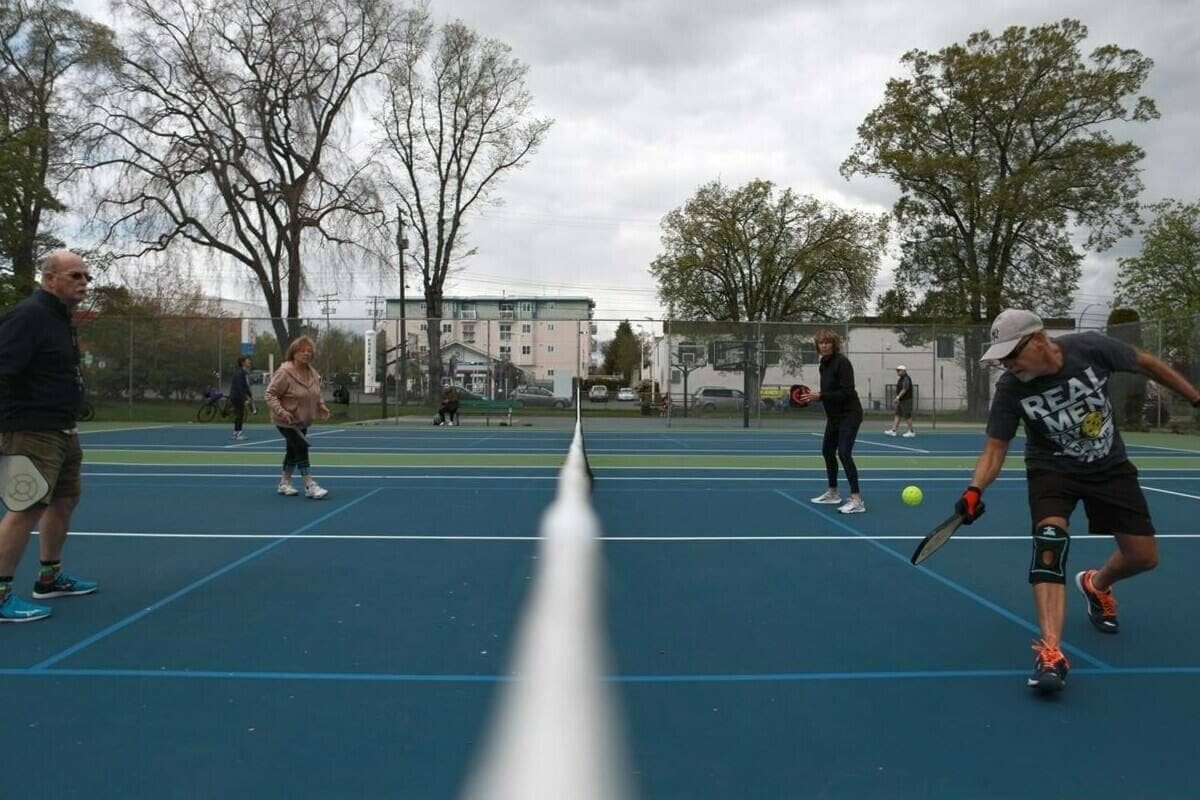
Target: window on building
526, 327
506, 311
549, 373
526, 308
447, 327
468, 331
550, 326
422, 326
505, 352
549, 348
945, 346
526, 350
505, 331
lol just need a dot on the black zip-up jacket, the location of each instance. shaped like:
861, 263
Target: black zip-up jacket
239, 388
837, 386
39, 366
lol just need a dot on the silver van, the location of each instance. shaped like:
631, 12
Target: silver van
716, 398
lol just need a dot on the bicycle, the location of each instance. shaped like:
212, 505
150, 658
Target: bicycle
215, 402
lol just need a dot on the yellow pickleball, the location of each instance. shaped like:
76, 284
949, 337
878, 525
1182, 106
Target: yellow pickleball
912, 495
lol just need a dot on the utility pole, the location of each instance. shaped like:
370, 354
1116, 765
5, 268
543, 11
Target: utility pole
327, 301
402, 245
374, 305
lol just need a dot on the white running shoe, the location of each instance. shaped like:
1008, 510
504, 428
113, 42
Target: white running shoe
908, 435
287, 490
314, 492
889, 432
829, 498
853, 507
239, 435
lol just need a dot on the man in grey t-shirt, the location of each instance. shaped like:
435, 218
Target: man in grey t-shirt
1073, 452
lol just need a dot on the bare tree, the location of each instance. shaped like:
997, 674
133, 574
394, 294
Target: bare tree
49, 55
456, 119
230, 130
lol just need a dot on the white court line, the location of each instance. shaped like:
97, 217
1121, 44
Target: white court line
267, 441
123, 430
453, 538
1167, 491
1132, 446
889, 444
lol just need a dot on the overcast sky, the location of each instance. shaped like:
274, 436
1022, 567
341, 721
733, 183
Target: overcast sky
653, 98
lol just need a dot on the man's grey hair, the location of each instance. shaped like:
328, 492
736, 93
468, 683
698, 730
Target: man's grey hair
50, 261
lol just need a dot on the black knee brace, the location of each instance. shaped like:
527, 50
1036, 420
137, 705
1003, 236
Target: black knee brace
1050, 546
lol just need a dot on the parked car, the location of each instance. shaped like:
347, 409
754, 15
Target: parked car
714, 398
537, 396
465, 394
598, 393
626, 393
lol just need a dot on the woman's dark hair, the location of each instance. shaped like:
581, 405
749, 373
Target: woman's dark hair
243, 361
828, 335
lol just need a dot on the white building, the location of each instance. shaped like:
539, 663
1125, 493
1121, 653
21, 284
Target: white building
935, 364
550, 339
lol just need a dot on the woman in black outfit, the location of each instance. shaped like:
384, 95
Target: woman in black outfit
843, 416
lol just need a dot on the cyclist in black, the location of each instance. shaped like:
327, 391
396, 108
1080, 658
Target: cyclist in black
240, 396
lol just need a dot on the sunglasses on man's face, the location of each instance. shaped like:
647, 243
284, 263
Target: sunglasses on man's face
1016, 351
77, 275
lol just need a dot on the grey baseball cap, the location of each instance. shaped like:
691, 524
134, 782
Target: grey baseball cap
1009, 327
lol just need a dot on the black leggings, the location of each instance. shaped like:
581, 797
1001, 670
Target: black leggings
450, 411
840, 433
239, 413
296, 456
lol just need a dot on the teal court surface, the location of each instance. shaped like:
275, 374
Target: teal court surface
245, 644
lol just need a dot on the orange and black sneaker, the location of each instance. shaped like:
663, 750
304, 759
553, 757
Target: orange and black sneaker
1050, 669
1102, 606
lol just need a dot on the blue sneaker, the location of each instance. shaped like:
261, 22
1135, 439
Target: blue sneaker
14, 609
63, 586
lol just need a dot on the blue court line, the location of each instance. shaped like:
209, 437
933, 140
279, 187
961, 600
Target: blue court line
116, 626
983, 601
763, 677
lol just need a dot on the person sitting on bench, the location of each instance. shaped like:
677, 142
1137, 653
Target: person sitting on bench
448, 410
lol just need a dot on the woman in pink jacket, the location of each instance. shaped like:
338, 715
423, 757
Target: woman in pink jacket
294, 397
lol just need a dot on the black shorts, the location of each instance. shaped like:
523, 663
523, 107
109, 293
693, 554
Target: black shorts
1112, 498
904, 409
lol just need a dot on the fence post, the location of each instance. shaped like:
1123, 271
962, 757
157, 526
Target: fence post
131, 322
934, 399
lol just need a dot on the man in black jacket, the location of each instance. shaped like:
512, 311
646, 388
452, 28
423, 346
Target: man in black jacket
40, 392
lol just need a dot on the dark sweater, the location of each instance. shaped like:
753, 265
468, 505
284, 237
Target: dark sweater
837, 386
40, 383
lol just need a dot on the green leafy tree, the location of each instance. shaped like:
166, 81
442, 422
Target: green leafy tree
1163, 281
51, 60
622, 353
753, 254
1001, 147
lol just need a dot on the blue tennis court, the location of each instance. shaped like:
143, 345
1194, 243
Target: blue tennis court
247, 644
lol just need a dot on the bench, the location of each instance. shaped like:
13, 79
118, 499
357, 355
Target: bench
489, 408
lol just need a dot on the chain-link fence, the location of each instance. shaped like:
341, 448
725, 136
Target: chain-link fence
675, 371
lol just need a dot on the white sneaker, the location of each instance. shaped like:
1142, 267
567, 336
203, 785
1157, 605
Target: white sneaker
908, 435
287, 490
239, 435
889, 432
314, 492
829, 498
853, 507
